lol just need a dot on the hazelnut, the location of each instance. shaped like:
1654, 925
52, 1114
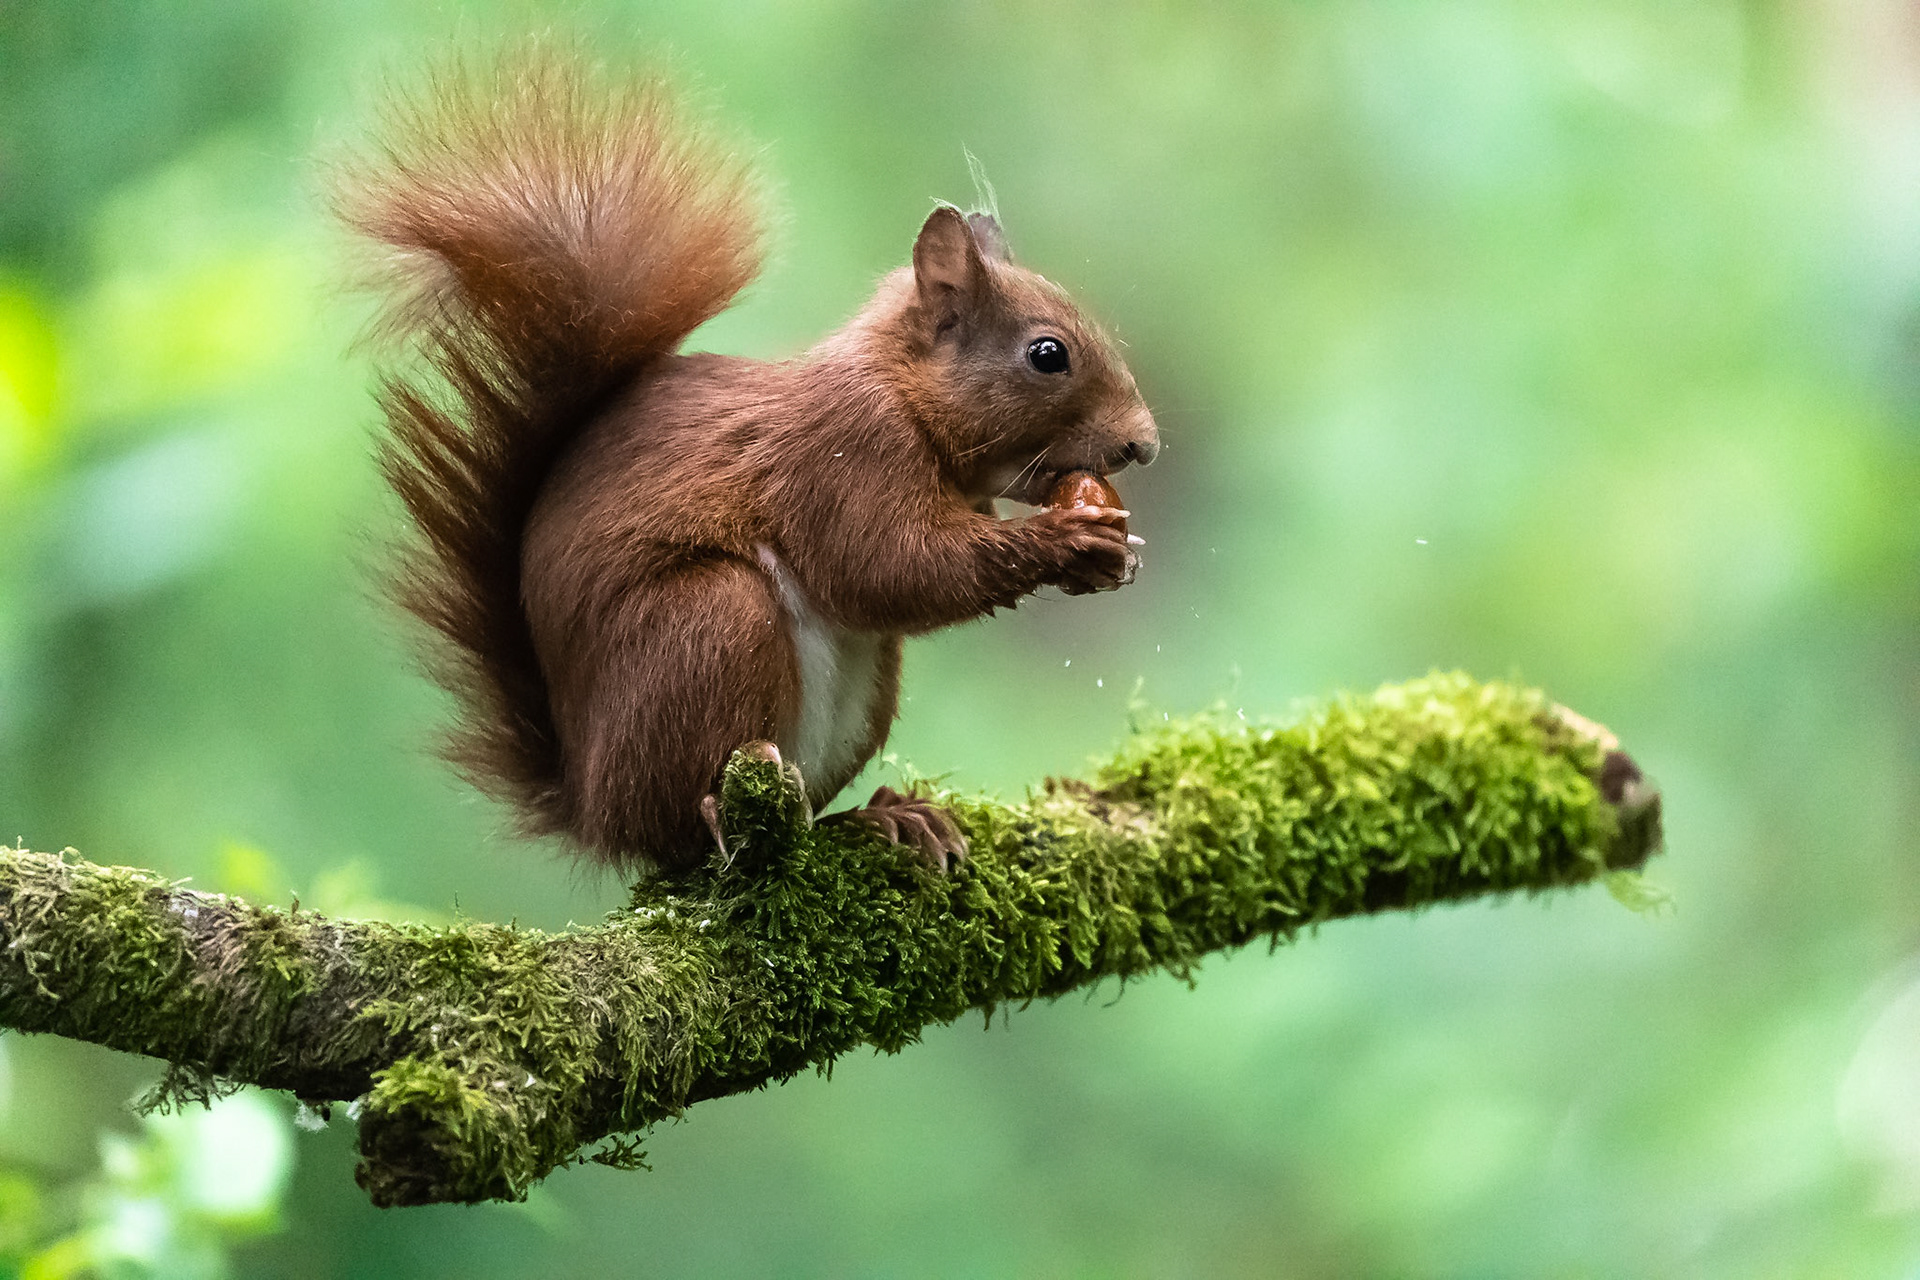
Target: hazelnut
1085, 489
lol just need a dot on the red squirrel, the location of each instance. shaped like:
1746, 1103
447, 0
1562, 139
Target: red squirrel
639, 561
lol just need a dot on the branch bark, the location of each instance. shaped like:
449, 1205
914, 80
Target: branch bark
482, 1056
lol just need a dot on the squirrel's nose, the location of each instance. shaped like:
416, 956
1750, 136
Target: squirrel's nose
1142, 438
1145, 445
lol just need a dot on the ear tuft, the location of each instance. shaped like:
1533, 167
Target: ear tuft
988, 235
948, 270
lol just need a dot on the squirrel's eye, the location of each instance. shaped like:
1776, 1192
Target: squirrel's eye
1047, 355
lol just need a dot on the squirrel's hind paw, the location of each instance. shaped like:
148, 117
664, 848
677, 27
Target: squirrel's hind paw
761, 806
916, 823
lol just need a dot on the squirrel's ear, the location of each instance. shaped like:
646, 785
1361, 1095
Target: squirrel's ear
948, 270
988, 235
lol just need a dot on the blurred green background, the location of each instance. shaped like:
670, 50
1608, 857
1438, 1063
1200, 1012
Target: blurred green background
1575, 342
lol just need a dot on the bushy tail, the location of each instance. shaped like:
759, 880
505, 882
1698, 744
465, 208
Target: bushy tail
547, 238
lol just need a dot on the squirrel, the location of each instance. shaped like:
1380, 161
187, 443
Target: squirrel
638, 561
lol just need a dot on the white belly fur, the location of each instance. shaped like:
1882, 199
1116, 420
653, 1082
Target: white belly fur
839, 670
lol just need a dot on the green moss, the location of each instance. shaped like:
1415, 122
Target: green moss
484, 1056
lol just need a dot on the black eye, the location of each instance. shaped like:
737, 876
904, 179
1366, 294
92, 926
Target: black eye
1047, 355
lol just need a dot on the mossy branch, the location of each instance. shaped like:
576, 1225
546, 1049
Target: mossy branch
482, 1056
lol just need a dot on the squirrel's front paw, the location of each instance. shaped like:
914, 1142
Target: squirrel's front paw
910, 820
1090, 549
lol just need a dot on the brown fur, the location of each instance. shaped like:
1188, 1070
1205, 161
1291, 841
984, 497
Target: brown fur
631, 553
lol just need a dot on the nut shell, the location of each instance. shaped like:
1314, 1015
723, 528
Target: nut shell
1085, 489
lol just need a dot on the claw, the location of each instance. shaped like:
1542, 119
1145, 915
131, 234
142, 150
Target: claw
919, 831
914, 822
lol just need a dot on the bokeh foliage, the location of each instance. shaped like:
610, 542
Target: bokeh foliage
1569, 341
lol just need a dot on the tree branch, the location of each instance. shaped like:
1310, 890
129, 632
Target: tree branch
483, 1056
